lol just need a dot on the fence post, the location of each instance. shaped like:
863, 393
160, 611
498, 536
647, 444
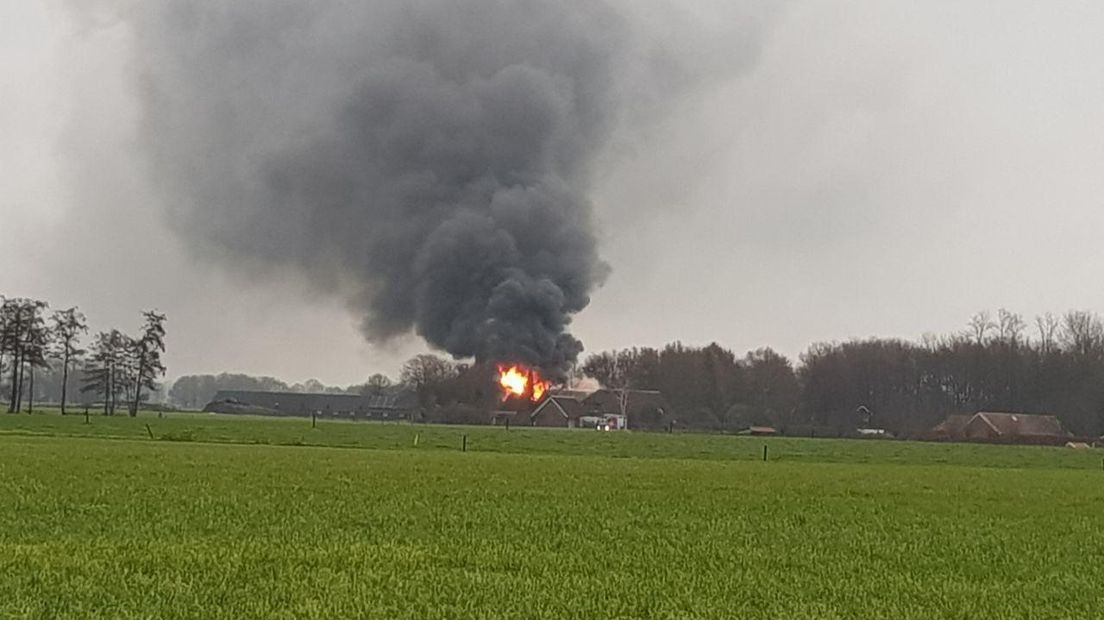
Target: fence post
464, 443
764, 453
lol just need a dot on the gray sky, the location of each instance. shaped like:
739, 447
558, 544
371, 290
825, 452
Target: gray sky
879, 168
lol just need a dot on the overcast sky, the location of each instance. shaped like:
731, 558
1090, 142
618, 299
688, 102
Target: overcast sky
878, 169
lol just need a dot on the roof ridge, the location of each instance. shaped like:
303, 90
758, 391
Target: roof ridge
1017, 413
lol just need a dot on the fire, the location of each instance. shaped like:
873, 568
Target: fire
517, 381
539, 388
513, 381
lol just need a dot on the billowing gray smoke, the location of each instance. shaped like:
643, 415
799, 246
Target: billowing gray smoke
427, 160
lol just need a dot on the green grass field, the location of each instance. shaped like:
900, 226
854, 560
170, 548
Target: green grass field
221, 517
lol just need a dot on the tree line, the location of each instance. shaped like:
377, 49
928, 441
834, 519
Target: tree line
708, 388
37, 343
1053, 364
998, 362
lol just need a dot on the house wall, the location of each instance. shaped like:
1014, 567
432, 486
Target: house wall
549, 416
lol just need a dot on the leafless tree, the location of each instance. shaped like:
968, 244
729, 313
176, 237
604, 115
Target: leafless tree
423, 370
1083, 332
426, 374
1048, 326
1010, 327
980, 325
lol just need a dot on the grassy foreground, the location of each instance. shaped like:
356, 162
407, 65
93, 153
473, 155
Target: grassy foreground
96, 527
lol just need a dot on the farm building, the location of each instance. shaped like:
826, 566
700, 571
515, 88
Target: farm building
951, 428
637, 408
557, 411
393, 403
999, 427
605, 409
759, 431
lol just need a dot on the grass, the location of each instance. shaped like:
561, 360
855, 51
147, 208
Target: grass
207, 428
98, 521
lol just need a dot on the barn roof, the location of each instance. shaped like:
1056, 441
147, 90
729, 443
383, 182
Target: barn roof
1022, 424
578, 395
292, 402
953, 425
609, 401
567, 406
758, 430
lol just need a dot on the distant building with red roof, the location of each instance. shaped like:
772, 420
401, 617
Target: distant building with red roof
1002, 427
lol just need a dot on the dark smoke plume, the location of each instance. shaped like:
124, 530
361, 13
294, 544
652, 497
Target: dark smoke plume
427, 160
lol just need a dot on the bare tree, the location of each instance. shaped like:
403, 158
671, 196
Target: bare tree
1010, 327
1048, 326
980, 325
1083, 332
932, 342
68, 327
425, 370
425, 374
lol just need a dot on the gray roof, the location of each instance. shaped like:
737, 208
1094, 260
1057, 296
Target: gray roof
569, 407
578, 395
609, 401
1022, 424
953, 425
292, 403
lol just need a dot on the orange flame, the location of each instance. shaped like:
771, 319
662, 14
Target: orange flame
539, 388
517, 381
